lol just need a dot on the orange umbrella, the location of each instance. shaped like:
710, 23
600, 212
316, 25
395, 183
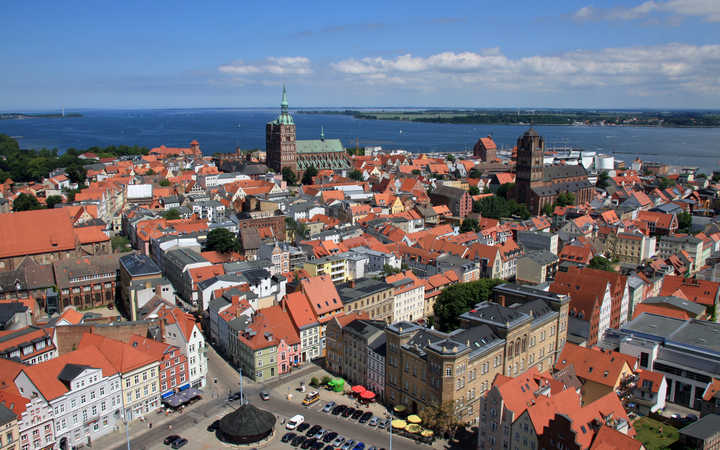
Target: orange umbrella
358, 389
368, 395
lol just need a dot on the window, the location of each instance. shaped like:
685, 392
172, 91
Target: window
448, 371
644, 357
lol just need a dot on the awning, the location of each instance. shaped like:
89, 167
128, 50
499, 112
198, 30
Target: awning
368, 395
358, 389
400, 408
399, 424
414, 418
182, 397
167, 394
184, 386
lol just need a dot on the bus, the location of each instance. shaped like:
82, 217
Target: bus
311, 398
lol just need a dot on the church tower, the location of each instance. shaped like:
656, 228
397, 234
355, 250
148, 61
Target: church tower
529, 169
280, 139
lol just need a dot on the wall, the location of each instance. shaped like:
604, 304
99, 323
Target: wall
68, 337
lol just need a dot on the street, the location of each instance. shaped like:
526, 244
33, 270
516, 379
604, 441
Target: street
193, 422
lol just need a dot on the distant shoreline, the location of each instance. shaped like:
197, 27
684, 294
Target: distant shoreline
645, 119
22, 116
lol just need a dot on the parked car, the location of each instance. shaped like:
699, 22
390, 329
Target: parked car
338, 441
235, 396
306, 445
329, 447
328, 406
348, 412
319, 434
374, 421
179, 443
348, 444
298, 440
329, 436
359, 446
170, 439
356, 415
383, 423
288, 437
302, 427
213, 426
338, 410
264, 395
294, 422
314, 429
365, 417
317, 445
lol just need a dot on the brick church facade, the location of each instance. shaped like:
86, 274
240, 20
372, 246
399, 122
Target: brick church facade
283, 150
538, 185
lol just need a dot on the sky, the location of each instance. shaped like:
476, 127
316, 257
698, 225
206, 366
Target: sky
557, 54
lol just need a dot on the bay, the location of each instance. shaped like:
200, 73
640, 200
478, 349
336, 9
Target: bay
224, 130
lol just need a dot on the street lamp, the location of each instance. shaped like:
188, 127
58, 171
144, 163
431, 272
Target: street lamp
389, 417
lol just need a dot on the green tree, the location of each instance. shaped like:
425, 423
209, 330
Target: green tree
460, 298
164, 182
222, 240
664, 183
601, 263
390, 270
474, 190
548, 210
26, 202
684, 222
120, 243
450, 158
171, 214
416, 172
356, 175
308, 175
565, 199
603, 180
469, 225
53, 200
504, 190
474, 173
289, 176
441, 418
150, 172
77, 174
497, 207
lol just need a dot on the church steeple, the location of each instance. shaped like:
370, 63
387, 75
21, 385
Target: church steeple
284, 102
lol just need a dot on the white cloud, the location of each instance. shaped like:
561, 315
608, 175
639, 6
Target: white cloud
662, 67
709, 10
289, 65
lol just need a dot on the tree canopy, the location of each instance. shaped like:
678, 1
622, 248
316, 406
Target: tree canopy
26, 202
684, 222
53, 200
473, 190
603, 180
356, 175
460, 298
289, 176
565, 199
171, 214
497, 207
222, 240
504, 190
469, 225
308, 175
601, 263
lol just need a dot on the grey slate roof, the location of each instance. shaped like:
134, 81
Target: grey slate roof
542, 257
6, 415
676, 302
707, 427
70, 371
137, 265
490, 312
8, 311
363, 287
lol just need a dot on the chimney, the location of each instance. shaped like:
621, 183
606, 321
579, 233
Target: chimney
352, 283
235, 300
501, 300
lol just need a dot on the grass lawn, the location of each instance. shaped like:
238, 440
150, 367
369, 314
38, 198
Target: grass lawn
648, 433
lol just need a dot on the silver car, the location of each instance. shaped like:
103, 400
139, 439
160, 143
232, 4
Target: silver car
383, 424
338, 441
374, 421
328, 407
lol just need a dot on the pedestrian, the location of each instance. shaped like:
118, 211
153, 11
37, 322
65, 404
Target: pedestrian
150, 425
170, 427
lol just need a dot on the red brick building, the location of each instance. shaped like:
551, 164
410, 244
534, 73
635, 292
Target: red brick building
173, 369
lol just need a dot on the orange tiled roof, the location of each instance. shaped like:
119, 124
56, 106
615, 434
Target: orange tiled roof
28, 233
123, 357
603, 367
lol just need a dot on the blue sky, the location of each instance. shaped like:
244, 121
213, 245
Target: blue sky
588, 54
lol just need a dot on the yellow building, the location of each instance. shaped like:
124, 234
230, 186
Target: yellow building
397, 206
139, 374
9, 432
336, 266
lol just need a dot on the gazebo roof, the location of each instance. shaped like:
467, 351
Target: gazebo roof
246, 423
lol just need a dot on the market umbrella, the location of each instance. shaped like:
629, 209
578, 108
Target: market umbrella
399, 424
339, 385
400, 408
358, 389
413, 428
427, 433
368, 395
414, 418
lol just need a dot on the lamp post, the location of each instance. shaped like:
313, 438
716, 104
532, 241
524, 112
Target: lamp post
389, 417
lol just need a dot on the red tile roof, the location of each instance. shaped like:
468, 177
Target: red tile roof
603, 367
45, 375
122, 356
28, 233
698, 291
322, 295
300, 311
611, 439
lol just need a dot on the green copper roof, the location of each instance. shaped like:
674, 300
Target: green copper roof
284, 118
319, 146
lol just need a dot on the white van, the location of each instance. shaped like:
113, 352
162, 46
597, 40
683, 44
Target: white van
294, 422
